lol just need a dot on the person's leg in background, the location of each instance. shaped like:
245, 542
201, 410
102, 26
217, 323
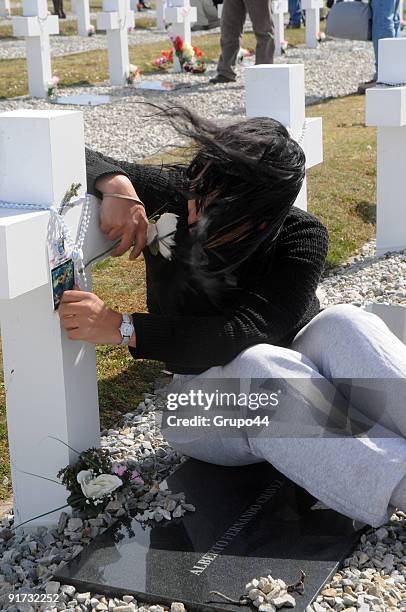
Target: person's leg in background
385, 24
57, 5
232, 24
295, 14
62, 14
58, 9
260, 12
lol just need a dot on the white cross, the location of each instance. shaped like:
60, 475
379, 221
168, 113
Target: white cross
116, 19
312, 13
160, 14
50, 381
279, 8
36, 26
82, 11
180, 15
386, 109
278, 91
5, 10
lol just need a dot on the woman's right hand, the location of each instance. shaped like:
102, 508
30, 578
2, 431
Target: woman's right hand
122, 219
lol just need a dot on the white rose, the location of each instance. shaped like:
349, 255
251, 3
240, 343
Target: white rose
96, 488
163, 231
187, 51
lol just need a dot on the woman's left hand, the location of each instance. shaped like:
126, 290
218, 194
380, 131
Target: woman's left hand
86, 317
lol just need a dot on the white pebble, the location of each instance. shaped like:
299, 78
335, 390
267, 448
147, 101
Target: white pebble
176, 606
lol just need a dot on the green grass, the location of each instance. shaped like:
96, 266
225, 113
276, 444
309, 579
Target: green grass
342, 189
341, 194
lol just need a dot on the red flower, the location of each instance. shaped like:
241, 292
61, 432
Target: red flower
197, 51
178, 44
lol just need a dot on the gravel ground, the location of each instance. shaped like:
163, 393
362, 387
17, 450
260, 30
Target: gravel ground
366, 278
120, 129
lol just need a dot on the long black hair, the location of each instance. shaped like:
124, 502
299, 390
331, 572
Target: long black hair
244, 177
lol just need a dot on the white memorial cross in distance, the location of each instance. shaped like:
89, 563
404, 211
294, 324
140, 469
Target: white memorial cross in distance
36, 26
279, 8
160, 14
179, 16
386, 109
278, 91
5, 9
82, 11
116, 18
312, 14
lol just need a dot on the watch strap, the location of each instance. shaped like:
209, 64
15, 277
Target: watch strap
126, 337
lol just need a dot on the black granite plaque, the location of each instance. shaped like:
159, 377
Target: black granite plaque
249, 521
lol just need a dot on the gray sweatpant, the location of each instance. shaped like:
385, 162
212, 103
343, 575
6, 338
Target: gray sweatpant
355, 473
232, 24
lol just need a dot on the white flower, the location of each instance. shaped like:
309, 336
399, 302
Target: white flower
96, 488
187, 51
162, 232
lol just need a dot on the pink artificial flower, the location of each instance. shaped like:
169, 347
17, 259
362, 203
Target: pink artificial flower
55, 80
119, 470
136, 478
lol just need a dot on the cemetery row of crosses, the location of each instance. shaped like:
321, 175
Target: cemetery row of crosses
116, 19
43, 151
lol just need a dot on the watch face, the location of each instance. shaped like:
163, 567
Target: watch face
126, 329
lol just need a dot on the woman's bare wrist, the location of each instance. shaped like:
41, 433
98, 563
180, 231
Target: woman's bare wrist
118, 183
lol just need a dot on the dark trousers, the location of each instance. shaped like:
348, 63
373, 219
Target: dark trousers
58, 8
232, 23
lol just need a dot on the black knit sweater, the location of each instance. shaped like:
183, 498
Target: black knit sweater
187, 332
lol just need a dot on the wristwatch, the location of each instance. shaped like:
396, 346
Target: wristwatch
126, 329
